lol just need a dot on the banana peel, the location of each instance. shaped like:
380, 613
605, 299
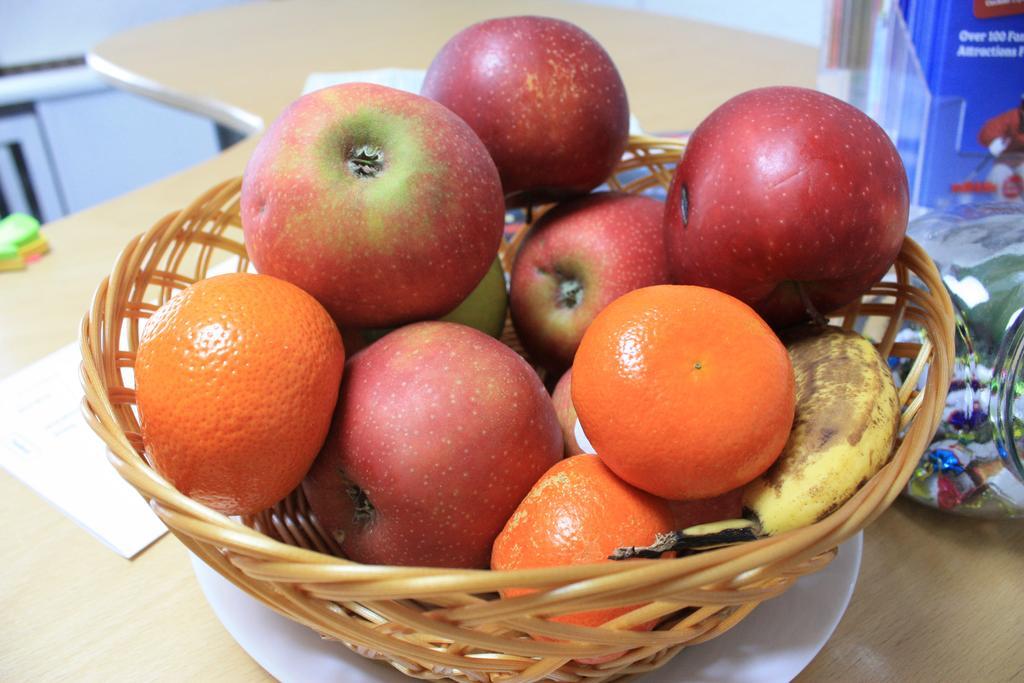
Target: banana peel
844, 430
693, 540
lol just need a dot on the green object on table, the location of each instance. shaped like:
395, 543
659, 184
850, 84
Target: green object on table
20, 241
17, 230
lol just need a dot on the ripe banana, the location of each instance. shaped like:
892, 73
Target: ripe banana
846, 423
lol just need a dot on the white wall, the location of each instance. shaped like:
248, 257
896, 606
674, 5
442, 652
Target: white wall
801, 21
81, 141
45, 30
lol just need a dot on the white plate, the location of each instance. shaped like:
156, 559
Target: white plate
774, 643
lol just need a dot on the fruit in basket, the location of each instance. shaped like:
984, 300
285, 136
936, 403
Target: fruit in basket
683, 391
440, 431
545, 98
847, 420
561, 396
579, 512
787, 199
485, 309
236, 381
382, 204
690, 513
578, 258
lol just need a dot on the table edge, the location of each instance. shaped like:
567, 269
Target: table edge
245, 122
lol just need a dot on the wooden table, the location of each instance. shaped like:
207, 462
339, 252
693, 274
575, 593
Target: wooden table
938, 597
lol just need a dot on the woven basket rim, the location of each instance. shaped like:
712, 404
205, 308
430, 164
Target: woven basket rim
735, 577
91, 377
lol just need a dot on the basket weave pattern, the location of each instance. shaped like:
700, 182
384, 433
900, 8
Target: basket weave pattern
450, 623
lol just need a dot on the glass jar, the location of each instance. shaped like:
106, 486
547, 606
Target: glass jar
974, 463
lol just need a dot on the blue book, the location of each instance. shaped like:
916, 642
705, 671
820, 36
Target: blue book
972, 55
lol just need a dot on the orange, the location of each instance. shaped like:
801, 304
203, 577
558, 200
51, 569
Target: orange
236, 380
683, 391
579, 512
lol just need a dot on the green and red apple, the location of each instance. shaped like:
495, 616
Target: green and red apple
382, 204
545, 98
579, 257
485, 309
439, 432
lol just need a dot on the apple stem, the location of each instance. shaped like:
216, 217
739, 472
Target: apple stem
812, 311
362, 508
569, 293
684, 204
366, 161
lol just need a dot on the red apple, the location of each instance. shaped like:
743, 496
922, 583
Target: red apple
545, 98
439, 433
687, 513
578, 258
566, 412
382, 204
786, 196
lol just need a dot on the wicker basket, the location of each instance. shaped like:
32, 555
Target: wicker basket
441, 623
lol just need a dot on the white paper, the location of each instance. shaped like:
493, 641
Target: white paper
410, 80
46, 443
